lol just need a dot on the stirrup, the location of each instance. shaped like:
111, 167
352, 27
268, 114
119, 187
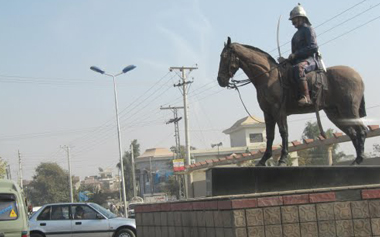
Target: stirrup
304, 101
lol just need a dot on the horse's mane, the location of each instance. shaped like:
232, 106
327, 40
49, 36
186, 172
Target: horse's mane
267, 55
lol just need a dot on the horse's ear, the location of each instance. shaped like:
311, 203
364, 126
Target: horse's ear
228, 40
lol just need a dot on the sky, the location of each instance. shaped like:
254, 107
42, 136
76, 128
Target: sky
50, 98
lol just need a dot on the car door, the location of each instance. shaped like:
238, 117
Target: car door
55, 221
88, 223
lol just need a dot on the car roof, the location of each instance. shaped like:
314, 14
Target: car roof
69, 203
8, 186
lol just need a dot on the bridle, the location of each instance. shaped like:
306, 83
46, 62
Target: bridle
233, 66
234, 63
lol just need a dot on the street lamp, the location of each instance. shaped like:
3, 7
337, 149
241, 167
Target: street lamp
218, 145
125, 70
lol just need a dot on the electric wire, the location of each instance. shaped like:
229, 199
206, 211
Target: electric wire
328, 20
357, 15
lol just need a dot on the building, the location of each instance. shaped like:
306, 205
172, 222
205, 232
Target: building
154, 167
105, 181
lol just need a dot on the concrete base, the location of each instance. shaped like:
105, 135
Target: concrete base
249, 180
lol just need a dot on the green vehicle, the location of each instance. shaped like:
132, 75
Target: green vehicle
13, 213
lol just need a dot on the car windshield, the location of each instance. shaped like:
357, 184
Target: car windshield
102, 210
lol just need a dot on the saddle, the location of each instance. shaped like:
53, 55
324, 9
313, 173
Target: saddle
316, 80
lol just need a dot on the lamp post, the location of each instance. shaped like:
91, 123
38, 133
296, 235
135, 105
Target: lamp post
218, 145
125, 70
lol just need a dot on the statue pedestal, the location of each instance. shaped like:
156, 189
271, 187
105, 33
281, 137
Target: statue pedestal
250, 180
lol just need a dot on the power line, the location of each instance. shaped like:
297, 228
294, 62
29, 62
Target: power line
330, 20
351, 30
349, 19
348, 9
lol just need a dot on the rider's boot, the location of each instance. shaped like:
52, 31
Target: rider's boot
305, 97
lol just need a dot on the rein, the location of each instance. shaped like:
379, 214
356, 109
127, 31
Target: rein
235, 84
246, 110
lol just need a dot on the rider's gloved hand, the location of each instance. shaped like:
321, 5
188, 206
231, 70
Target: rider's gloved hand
291, 57
281, 59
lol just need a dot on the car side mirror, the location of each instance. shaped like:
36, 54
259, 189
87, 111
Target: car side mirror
2, 235
98, 216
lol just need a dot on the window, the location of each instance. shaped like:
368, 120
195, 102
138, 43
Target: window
102, 210
44, 215
8, 207
83, 212
255, 137
60, 213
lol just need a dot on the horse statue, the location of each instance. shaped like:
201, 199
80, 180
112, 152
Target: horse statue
343, 102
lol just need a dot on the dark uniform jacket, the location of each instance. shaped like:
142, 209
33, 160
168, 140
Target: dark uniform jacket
305, 46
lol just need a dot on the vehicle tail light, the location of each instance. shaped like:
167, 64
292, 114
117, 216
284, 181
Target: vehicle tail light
24, 234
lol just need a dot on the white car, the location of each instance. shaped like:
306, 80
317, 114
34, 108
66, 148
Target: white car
79, 220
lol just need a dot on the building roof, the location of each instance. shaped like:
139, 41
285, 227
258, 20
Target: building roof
156, 152
246, 122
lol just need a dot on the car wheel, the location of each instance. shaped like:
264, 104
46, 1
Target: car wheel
36, 235
125, 233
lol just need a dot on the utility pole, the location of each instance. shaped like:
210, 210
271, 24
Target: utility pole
9, 174
133, 172
20, 171
67, 148
187, 137
175, 120
151, 175
120, 187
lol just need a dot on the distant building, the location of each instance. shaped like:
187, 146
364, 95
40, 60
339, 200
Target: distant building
105, 181
76, 182
247, 132
154, 167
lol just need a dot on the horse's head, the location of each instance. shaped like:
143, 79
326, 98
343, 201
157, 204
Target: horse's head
229, 64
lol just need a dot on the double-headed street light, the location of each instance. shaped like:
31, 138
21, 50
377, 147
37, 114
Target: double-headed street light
218, 145
125, 70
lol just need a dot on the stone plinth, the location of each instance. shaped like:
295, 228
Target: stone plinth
247, 180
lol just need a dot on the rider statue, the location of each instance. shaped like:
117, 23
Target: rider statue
304, 57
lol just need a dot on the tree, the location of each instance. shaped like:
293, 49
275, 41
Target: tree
317, 155
3, 168
50, 184
127, 162
376, 149
172, 186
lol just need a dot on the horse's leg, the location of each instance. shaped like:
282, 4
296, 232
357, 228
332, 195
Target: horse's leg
283, 127
269, 124
361, 132
356, 132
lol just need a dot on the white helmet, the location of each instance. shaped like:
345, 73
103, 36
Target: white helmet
298, 11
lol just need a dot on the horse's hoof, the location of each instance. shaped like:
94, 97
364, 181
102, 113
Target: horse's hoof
259, 164
282, 164
357, 161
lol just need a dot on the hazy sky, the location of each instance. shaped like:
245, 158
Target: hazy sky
50, 97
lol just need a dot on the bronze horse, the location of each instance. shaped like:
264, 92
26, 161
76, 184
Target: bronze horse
343, 102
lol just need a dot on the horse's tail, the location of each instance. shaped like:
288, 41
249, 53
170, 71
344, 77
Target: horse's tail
362, 111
